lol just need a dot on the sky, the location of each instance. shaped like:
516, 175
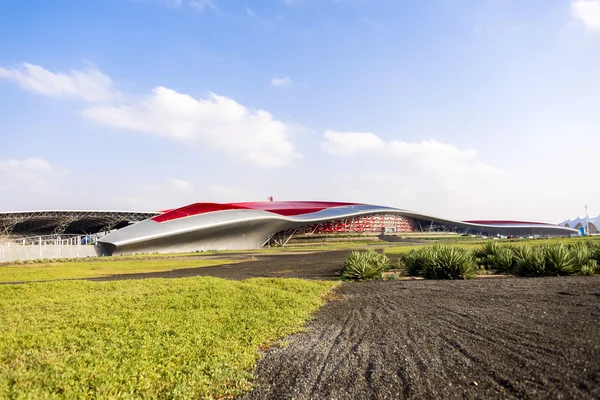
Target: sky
465, 109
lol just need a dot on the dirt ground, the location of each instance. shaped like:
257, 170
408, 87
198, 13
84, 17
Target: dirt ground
493, 338
308, 265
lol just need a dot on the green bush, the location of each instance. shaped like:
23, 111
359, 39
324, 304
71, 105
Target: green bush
557, 259
532, 262
485, 255
583, 259
416, 261
595, 252
365, 265
505, 259
440, 262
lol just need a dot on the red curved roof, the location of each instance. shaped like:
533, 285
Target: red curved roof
287, 208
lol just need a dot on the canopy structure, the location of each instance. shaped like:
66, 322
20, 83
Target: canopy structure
591, 224
59, 222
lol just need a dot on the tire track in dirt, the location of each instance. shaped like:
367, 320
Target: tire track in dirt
507, 338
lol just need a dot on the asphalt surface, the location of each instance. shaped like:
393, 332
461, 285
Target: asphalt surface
495, 338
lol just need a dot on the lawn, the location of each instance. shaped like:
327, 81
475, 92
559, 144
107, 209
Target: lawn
79, 269
476, 243
157, 338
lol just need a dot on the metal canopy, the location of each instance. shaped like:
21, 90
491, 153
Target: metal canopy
58, 222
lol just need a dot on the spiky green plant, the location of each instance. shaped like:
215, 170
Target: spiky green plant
595, 253
581, 256
484, 255
416, 261
440, 262
365, 265
532, 262
559, 260
504, 260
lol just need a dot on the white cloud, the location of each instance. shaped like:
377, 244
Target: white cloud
27, 170
224, 193
217, 121
250, 12
587, 12
181, 185
424, 171
350, 143
161, 195
89, 85
426, 152
281, 81
200, 5
29, 180
173, 193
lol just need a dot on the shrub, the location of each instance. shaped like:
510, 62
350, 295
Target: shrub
416, 261
365, 265
505, 259
532, 262
440, 262
583, 262
595, 253
558, 259
485, 255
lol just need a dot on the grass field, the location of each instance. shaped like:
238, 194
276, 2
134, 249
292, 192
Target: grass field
78, 269
158, 338
475, 243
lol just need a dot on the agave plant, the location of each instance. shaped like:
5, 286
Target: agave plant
504, 260
440, 262
595, 252
559, 260
365, 265
581, 256
416, 261
532, 262
485, 254
451, 263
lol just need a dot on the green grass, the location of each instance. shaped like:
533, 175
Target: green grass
159, 338
474, 244
77, 269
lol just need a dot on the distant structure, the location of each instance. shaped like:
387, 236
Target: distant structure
240, 226
581, 222
66, 222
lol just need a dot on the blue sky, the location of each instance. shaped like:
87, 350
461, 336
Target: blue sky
462, 108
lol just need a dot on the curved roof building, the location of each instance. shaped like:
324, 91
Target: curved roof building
239, 226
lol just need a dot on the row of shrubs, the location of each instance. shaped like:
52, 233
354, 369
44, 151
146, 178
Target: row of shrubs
451, 262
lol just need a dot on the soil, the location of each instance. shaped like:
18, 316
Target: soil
486, 338
323, 265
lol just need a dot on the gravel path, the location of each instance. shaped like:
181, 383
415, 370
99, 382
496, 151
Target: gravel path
497, 338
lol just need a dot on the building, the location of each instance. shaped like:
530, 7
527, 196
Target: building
579, 222
239, 226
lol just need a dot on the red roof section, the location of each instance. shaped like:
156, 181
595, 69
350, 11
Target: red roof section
286, 208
